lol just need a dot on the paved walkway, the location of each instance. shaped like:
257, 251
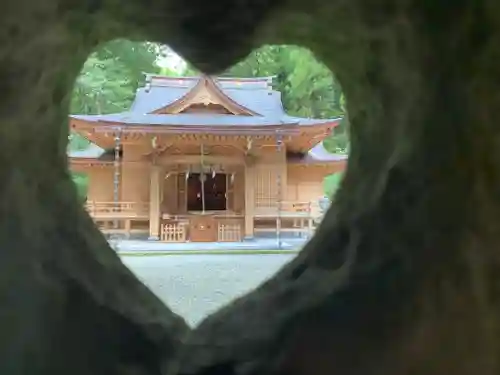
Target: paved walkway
196, 285
258, 244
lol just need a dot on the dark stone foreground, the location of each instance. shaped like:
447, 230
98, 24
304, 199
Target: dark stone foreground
402, 277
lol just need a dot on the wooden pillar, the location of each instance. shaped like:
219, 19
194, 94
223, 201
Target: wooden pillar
154, 203
249, 201
279, 183
117, 176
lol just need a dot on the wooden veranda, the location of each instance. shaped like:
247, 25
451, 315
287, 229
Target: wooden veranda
129, 218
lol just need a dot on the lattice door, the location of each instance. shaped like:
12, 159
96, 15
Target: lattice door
266, 187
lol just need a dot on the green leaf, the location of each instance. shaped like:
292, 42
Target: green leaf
331, 183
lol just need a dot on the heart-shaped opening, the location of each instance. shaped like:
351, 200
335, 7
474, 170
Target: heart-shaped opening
206, 231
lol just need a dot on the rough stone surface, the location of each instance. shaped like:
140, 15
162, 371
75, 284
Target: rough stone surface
403, 279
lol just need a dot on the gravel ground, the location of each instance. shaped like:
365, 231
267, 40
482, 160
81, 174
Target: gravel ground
196, 285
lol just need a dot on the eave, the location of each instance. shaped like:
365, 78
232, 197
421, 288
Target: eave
131, 127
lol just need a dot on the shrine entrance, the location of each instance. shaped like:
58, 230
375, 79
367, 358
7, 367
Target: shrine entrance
207, 192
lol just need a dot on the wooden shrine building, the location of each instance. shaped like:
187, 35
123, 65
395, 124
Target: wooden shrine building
204, 159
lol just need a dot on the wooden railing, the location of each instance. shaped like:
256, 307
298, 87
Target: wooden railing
287, 217
117, 210
287, 209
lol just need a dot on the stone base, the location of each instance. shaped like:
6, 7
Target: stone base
153, 238
248, 238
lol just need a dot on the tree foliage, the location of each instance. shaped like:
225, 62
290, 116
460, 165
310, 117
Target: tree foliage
111, 76
109, 79
331, 183
81, 181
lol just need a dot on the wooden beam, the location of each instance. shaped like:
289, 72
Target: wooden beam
208, 159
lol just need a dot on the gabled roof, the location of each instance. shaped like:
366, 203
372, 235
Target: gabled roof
254, 96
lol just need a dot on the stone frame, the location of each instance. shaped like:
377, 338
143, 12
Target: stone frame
406, 267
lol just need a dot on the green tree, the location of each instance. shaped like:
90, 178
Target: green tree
109, 79
81, 182
338, 142
308, 87
331, 183
111, 76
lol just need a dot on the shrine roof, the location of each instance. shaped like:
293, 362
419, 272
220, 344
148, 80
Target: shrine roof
253, 94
